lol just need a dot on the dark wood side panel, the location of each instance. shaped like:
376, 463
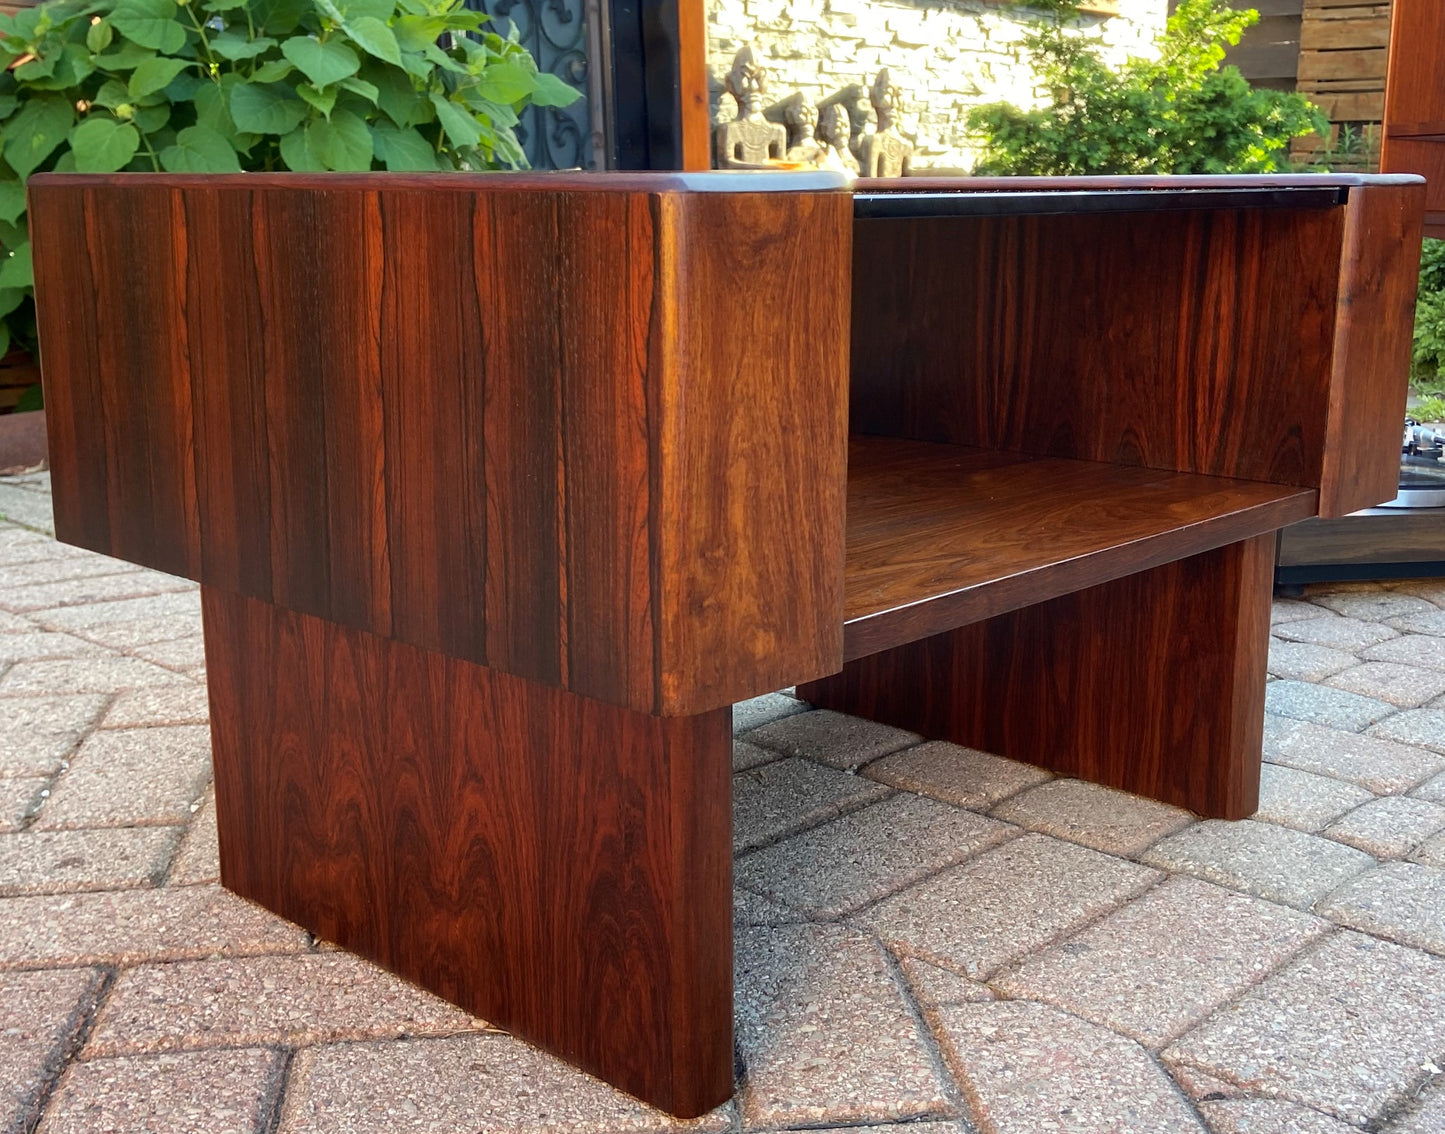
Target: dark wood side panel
752, 444
555, 865
1414, 135
1164, 340
1379, 273
1153, 683
541, 431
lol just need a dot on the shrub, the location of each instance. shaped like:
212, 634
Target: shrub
1429, 352
218, 86
1179, 113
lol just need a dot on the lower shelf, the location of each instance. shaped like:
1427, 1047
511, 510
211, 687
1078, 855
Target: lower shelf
940, 536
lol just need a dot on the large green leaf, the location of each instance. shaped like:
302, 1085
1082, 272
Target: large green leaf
375, 38
344, 143
461, 127
32, 135
199, 149
103, 145
323, 101
150, 23
98, 36
232, 45
154, 75
273, 70
361, 87
12, 201
416, 33
402, 150
15, 270
125, 57
268, 108
552, 91
322, 63
397, 97
507, 82
361, 9
11, 298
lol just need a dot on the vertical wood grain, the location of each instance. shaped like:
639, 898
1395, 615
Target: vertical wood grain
1379, 272
557, 866
1153, 683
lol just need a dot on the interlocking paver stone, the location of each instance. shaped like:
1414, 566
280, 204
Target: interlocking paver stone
158, 705
1373, 605
1432, 851
40, 1013
832, 738
126, 927
129, 634
1390, 827
84, 675
1305, 661
90, 589
978, 916
1381, 766
1344, 1029
1349, 634
764, 710
178, 653
780, 799
29, 508
21, 545
1425, 622
114, 858
199, 1092
1322, 705
1166, 960
46, 571
1412, 649
38, 645
131, 777
199, 859
18, 798
78, 619
751, 909
867, 854
488, 1084
1292, 610
1304, 800
298, 999
1098, 817
933, 986
747, 755
1268, 1116
825, 1032
37, 733
1407, 686
1403, 901
1431, 590
964, 777
1425, 727
1433, 789
1271, 862
1029, 1067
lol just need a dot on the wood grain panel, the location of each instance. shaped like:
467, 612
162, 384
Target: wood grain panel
1414, 140
1379, 274
530, 429
940, 535
557, 866
1153, 683
1153, 339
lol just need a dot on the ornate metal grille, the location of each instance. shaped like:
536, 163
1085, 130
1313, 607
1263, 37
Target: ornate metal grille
563, 36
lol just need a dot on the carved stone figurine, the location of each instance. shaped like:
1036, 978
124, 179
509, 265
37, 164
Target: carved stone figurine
833, 131
802, 122
885, 153
750, 140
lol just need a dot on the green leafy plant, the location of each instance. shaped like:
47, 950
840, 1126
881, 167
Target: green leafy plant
1429, 345
1179, 113
221, 86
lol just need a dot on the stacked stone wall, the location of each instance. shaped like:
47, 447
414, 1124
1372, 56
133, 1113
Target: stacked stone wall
945, 56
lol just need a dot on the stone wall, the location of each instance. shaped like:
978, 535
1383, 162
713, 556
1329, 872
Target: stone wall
944, 56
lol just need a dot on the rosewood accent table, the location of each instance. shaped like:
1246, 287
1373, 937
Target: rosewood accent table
501, 489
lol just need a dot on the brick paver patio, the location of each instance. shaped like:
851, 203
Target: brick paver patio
926, 935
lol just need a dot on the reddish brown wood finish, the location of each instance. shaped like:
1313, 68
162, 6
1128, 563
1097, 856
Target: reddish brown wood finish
1157, 339
527, 429
1379, 272
940, 535
555, 865
1414, 136
1153, 683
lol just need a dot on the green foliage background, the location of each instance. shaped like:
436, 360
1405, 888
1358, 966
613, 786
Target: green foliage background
1179, 113
1429, 356
217, 86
